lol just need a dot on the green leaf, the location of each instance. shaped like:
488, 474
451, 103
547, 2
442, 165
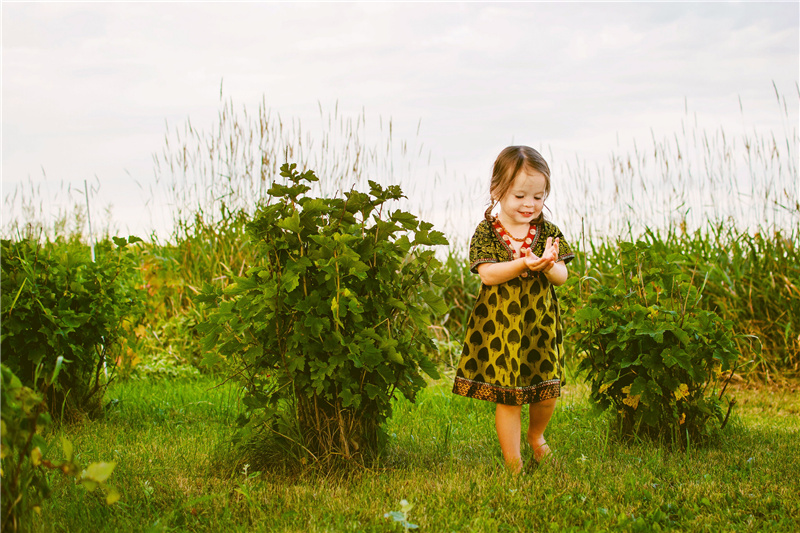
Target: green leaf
211, 359
292, 223
112, 496
349, 399
639, 385
98, 472
587, 314
407, 220
240, 286
89, 484
682, 336
429, 368
372, 391
289, 281
66, 445
630, 361
437, 238
397, 303
394, 356
435, 301
440, 279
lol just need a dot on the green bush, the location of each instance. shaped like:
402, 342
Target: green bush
750, 279
25, 454
333, 321
649, 350
59, 305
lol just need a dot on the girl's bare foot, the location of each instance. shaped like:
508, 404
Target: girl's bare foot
515, 466
541, 452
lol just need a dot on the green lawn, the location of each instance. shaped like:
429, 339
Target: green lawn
166, 437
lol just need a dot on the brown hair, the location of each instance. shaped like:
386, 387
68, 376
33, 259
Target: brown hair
506, 167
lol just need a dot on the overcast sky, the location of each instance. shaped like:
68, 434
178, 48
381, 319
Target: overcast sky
87, 88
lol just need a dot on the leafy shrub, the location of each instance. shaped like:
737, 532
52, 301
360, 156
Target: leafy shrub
58, 303
649, 350
750, 279
332, 322
25, 454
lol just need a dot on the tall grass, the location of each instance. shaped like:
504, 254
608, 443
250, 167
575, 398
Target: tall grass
683, 179
230, 168
752, 279
42, 210
686, 180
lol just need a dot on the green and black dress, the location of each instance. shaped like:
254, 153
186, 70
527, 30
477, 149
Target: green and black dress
513, 347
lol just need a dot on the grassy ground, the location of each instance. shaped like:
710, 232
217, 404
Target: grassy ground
442, 458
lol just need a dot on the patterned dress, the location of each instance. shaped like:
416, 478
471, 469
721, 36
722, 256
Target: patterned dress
513, 347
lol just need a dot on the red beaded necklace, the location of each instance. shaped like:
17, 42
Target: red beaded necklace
504, 231
507, 237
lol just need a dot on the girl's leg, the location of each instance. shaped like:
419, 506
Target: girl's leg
507, 421
540, 414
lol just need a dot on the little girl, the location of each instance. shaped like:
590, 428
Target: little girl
512, 352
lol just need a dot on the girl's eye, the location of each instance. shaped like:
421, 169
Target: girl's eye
518, 196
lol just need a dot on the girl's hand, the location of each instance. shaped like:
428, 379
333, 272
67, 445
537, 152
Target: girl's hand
552, 250
546, 261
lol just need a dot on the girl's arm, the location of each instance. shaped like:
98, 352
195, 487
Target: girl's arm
555, 271
557, 274
497, 273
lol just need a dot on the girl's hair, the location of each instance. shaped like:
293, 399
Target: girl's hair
506, 167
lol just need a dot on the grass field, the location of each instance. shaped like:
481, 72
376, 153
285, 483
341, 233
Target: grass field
168, 437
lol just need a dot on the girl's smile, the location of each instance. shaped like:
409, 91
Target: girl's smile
524, 200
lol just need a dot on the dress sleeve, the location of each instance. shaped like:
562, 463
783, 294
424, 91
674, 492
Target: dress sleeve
483, 248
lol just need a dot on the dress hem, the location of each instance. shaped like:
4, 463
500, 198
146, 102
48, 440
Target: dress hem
479, 390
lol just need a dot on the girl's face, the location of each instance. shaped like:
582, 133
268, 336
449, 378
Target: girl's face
524, 200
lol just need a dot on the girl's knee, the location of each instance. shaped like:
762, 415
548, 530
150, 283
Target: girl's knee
508, 409
544, 404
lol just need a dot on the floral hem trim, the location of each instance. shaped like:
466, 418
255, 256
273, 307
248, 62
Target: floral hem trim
479, 390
